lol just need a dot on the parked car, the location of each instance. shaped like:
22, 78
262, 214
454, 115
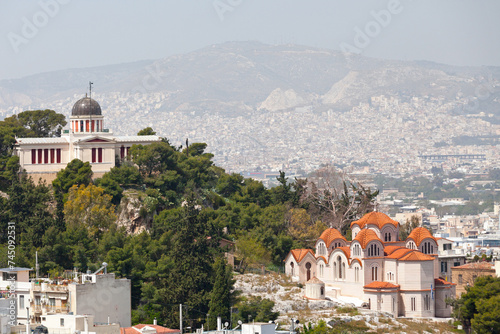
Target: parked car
41, 330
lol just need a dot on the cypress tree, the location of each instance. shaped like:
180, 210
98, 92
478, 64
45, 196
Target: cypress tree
220, 296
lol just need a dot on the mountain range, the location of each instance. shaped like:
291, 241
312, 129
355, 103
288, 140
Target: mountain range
241, 78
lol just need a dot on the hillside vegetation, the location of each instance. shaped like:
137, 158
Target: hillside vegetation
186, 204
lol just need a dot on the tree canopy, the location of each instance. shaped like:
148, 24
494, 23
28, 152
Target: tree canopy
479, 308
188, 205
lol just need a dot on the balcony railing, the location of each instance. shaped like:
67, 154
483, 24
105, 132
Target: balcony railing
55, 309
452, 252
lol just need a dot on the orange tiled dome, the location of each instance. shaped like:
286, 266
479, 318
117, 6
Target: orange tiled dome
365, 236
331, 234
378, 219
346, 250
419, 234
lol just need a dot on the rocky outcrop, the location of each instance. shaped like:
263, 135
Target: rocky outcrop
129, 213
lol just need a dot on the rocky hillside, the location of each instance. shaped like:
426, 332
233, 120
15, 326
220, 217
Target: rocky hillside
289, 301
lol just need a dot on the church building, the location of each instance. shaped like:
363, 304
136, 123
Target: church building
86, 139
400, 277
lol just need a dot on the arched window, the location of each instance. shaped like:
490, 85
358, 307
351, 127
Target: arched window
308, 268
356, 274
291, 268
322, 291
343, 270
374, 273
339, 261
334, 270
357, 250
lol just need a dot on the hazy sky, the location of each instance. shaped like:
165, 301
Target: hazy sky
45, 35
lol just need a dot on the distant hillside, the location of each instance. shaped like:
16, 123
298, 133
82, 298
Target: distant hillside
242, 77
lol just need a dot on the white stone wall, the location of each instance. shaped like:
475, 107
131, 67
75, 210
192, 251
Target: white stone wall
440, 295
309, 258
313, 290
108, 297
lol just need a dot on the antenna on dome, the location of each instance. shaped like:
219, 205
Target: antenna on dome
90, 104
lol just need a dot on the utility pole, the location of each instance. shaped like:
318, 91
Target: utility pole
27, 320
180, 317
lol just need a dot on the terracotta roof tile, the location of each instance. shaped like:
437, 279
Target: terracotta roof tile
388, 250
416, 256
440, 281
323, 258
346, 250
477, 265
365, 236
331, 234
399, 253
315, 280
381, 285
358, 261
419, 234
299, 254
375, 218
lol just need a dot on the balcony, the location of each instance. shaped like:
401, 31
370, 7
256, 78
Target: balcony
46, 287
50, 309
452, 252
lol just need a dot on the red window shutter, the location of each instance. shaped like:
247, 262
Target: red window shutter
58, 155
92, 125
46, 156
93, 155
33, 156
122, 152
40, 152
87, 126
52, 155
99, 154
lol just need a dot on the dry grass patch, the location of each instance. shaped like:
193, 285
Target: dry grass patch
352, 311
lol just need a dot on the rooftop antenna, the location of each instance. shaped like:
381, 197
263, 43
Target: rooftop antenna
90, 104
